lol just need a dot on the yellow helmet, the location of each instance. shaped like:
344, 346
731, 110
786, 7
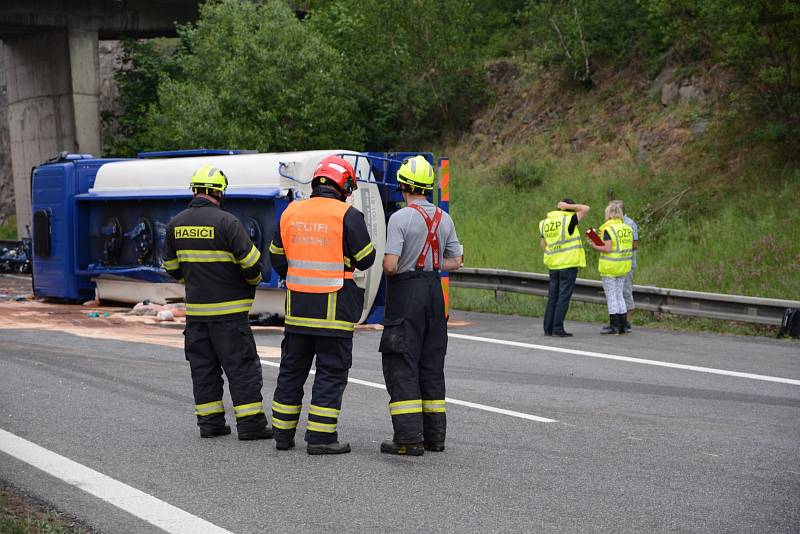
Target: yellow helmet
209, 177
416, 173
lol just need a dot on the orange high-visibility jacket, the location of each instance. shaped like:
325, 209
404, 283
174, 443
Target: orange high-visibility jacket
311, 231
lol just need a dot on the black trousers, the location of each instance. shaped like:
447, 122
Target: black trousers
413, 345
559, 293
334, 359
212, 347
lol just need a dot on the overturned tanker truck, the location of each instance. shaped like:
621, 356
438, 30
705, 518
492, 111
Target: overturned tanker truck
99, 224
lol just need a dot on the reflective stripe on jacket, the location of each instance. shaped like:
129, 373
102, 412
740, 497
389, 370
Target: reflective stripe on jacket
563, 250
311, 232
619, 261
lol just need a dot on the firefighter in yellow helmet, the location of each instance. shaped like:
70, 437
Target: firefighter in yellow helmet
320, 242
208, 250
421, 240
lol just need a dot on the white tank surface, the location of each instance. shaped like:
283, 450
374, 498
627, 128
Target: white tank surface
284, 170
248, 173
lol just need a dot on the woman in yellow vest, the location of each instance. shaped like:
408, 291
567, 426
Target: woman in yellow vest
616, 258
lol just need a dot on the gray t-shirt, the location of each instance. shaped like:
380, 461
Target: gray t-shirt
406, 234
630, 222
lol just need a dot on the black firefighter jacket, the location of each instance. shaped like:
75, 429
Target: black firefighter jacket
208, 249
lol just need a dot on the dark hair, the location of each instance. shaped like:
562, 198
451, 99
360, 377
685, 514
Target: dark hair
568, 200
414, 190
208, 191
319, 188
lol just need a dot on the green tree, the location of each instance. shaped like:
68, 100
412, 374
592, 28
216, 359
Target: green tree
141, 65
757, 39
414, 65
575, 34
253, 76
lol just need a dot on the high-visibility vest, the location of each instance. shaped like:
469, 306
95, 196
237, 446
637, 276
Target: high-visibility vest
563, 250
311, 231
619, 261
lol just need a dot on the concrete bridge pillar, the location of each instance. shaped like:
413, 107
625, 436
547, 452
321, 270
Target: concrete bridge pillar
53, 89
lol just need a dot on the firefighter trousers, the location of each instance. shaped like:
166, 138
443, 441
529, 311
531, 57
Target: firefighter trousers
334, 358
228, 345
413, 347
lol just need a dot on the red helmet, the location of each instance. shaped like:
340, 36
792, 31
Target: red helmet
338, 171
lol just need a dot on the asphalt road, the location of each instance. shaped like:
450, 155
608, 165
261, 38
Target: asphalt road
635, 446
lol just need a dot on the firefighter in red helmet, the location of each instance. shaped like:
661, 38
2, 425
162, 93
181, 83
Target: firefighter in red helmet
319, 244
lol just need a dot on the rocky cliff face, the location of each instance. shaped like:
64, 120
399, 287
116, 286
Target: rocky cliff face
6, 180
109, 51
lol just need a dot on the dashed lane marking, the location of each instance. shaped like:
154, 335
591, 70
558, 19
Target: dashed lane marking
142, 505
590, 354
449, 400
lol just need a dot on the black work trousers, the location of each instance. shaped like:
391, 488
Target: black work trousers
334, 359
212, 347
413, 347
559, 293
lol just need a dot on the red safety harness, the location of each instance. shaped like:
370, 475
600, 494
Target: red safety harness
432, 240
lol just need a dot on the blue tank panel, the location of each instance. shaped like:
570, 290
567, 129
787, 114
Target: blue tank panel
125, 236
121, 233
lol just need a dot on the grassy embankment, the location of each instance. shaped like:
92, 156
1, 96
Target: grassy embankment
17, 516
715, 213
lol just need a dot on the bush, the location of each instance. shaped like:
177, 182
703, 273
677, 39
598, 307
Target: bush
414, 67
523, 176
252, 76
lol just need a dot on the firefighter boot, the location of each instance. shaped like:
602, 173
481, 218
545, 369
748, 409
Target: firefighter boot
284, 439
433, 446
284, 444
403, 449
261, 433
328, 448
612, 325
214, 431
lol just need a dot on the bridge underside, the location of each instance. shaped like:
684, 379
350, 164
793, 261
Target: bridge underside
52, 74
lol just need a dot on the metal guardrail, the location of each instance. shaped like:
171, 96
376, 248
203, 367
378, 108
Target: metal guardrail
656, 299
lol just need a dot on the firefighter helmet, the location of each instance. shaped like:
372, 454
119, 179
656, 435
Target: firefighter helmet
417, 174
337, 171
209, 177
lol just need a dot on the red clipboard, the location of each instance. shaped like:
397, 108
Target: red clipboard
591, 234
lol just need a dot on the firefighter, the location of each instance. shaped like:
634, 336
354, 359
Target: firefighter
319, 244
208, 250
420, 240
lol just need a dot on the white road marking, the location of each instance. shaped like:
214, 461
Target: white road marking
697, 368
135, 502
468, 404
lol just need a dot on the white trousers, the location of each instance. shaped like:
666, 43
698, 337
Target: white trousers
614, 287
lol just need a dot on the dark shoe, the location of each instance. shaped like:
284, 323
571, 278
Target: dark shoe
402, 449
562, 334
611, 329
548, 334
433, 446
328, 448
214, 431
284, 445
622, 320
628, 327
264, 433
